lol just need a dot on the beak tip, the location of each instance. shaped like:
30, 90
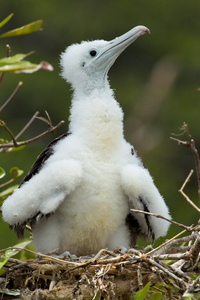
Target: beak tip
148, 31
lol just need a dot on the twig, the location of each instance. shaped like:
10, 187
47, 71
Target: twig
188, 228
174, 242
191, 144
11, 96
195, 155
184, 195
18, 144
7, 55
7, 182
165, 243
165, 270
192, 287
174, 256
184, 143
27, 125
139, 276
44, 256
3, 124
194, 251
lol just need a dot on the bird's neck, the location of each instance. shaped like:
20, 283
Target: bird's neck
97, 119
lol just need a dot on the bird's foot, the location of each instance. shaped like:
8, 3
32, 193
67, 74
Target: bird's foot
123, 249
67, 254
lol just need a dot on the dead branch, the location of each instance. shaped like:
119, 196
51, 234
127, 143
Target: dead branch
188, 228
27, 125
14, 143
170, 245
191, 144
7, 55
11, 96
184, 195
166, 242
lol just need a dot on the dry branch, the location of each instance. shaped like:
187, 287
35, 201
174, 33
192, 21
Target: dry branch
191, 144
11, 96
14, 142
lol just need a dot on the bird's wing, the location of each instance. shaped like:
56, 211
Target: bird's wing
143, 195
42, 157
43, 189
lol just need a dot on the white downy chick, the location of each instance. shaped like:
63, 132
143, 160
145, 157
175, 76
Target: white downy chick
79, 192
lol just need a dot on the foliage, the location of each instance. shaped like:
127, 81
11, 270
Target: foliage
142, 293
11, 252
16, 64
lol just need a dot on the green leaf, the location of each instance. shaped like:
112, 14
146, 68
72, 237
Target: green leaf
7, 192
17, 148
9, 292
26, 29
25, 67
2, 23
13, 59
189, 296
16, 64
2, 141
16, 172
11, 252
142, 293
155, 296
2, 172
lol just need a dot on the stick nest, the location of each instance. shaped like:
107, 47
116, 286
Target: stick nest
172, 269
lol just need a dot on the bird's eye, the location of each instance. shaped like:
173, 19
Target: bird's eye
93, 52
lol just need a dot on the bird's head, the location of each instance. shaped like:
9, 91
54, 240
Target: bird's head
86, 65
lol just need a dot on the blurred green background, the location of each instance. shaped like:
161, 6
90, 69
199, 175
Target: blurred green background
156, 81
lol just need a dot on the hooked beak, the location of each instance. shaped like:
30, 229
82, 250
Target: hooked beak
115, 47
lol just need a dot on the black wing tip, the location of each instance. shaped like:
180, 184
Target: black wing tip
19, 230
150, 234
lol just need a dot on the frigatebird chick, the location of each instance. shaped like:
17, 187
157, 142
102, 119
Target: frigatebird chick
78, 194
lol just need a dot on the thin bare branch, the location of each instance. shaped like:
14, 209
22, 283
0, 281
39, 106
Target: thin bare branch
11, 96
27, 125
7, 55
18, 144
166, 242
48, 120
191, 144
3, 124
188, 228
165, 270
184, 143
7, 182
184, 195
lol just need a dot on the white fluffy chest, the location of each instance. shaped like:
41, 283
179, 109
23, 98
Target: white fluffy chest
93, 211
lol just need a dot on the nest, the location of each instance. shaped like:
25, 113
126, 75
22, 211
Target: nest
172, 270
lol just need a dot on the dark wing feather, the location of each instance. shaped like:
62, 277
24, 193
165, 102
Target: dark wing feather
134, 226
134, 229
44, 155
147, 219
